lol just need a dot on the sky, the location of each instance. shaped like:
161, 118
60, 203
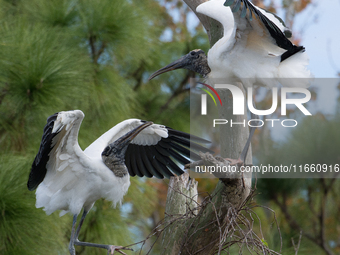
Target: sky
318, 25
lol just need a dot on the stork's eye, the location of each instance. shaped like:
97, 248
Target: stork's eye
194, 54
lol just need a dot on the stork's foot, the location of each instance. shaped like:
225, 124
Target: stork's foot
235, 162
114, 248
111, 249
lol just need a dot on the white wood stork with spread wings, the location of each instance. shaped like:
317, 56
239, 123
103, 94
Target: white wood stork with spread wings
70, 179
254, 49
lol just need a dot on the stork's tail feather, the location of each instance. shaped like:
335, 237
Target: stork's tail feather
291, 52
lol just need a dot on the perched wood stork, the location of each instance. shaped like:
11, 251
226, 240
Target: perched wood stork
70, 179
254, 48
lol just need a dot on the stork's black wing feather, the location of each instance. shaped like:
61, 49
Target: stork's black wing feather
245, 7
145, 152
140, 164
164, 158
131, 165
38, 170
287, 32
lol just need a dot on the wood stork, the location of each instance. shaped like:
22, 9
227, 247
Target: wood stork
254, 48
70, 179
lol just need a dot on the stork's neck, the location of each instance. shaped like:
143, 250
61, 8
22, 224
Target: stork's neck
202, 66
120, 172
116, 165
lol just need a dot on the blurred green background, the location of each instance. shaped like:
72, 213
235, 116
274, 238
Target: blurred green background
96, 56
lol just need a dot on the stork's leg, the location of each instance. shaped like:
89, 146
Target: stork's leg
75, 234
110, 248
241, 160
81, 223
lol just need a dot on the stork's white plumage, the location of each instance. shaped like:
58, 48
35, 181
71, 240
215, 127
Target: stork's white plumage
254, 48
69, 179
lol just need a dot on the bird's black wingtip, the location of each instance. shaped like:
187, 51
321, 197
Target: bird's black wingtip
38, 169
32, 186
291, 52
248, 10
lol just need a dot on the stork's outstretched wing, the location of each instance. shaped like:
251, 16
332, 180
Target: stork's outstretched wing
246, 11
156, 151
163, 158
59, 144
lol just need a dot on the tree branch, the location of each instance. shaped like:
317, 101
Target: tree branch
294, 225
92, 42
218, 213
297, 246
96, 54
205, 231
100, 52
137, 75
322, 234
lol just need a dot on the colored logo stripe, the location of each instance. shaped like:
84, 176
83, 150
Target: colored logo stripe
213, 90
207, 91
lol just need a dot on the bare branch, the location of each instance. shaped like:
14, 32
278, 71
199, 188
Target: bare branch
297, 247
234, 228
218, 218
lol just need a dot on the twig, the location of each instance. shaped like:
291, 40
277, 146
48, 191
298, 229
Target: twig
297, 247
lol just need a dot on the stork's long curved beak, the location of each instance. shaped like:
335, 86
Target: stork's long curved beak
118, 147
177, 64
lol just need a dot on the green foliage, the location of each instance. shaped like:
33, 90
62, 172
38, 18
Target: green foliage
304, 201
40, 70
60, 13
21, 224
94, 56
264, 242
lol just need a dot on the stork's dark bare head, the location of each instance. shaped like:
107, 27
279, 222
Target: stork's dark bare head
195, 60
114, 154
